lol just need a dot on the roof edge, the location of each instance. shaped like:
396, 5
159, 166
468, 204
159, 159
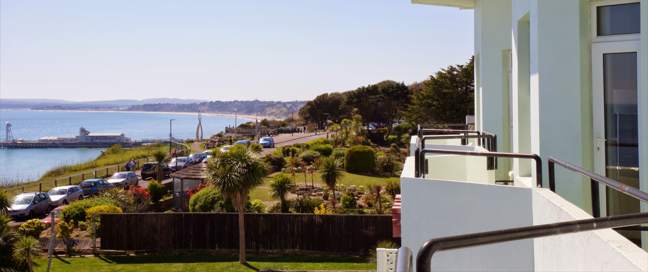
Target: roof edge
462, 4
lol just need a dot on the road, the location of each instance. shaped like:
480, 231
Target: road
290, 139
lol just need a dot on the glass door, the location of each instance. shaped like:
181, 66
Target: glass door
615, 68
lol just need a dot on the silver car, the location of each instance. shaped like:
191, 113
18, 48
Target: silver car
29, 205
64, 195
123, 179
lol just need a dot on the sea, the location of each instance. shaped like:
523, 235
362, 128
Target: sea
23, 165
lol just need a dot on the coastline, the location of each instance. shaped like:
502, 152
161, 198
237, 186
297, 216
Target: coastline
248, 117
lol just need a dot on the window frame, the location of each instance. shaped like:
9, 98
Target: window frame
594, 22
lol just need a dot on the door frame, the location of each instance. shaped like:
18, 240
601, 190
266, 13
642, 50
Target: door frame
598, 104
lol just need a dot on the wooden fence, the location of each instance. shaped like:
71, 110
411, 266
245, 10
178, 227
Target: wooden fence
264, 232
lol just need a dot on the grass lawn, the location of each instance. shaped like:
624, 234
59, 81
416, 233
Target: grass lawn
263, 192
203, 263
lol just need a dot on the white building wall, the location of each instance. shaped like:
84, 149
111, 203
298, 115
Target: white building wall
437, 208
602, 250
493, 40
561, 97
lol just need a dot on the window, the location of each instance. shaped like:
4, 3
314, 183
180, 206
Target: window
618, 19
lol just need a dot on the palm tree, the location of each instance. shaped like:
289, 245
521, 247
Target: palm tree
331, 173
24, 249
159, 157
281, 185
235, 173
7, 240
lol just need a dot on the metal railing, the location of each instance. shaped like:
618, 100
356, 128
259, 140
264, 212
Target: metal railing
629, 221
424, 256
595, 179
484, 139
487, 141
420, 162
404, 260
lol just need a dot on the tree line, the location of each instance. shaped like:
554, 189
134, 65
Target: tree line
444, 98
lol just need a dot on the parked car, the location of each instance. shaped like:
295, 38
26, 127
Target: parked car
197, 157
225, 148
94, 186
149, 170
57, 214
179, 163
64, 195
27, 205
267, 142
208, 152
123, 179
243, 142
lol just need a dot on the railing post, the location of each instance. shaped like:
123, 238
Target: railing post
552, 175
539, 177
464, 140
95, 173
82, 176
417, 162
596, 202
40, 187
70, 180
55, 183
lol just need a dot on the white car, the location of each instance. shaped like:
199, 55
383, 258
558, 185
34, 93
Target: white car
225, 148
123, 179
178, 163
64, 195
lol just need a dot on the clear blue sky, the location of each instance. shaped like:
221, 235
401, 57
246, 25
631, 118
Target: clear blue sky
221, 50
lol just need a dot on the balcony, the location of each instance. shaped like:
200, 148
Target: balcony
449, 188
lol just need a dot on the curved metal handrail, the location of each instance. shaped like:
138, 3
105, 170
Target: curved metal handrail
535, 157
595, 180
424, 256
404, 260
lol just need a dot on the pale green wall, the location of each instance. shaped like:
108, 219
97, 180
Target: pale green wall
493, 40
564, 122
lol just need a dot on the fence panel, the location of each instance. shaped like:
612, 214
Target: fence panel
264, 232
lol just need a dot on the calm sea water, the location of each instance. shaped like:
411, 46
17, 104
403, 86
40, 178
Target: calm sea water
28, 164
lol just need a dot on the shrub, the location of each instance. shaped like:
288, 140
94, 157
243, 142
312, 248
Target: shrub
276, 162
4, 201
360, 159
386, 165
309, 156
306, 205
348, 201
64, 232
289, 151
393, 188
106, 208
76, 212
319, 141
322, 210
324, 149
209, 199
156, 190
32, 227
257, 206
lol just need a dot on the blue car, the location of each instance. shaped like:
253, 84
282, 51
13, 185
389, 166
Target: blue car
267, 142
94, 186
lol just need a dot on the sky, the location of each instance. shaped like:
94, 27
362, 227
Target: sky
222, 50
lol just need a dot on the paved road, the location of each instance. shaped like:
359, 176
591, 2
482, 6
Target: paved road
290, 139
